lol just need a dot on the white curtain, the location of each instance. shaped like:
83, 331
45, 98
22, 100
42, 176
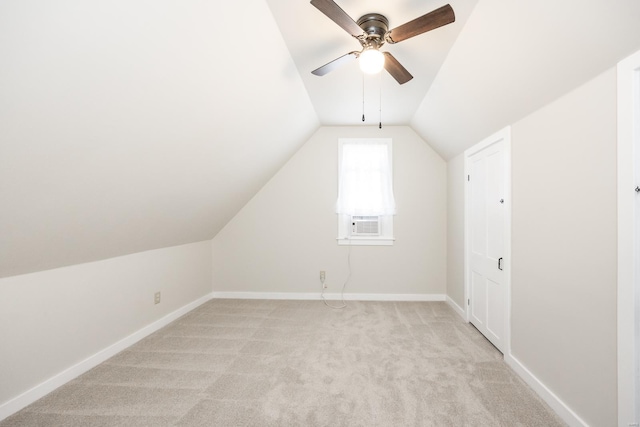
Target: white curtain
365, 184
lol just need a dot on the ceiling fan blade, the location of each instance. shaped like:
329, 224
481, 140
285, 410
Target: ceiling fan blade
396, 69
336, 63
432, 20
337, 15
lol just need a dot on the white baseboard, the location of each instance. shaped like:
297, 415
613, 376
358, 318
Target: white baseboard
457, 308
570, 417
332, 296
17, 403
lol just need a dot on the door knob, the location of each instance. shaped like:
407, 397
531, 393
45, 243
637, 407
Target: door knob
500, 263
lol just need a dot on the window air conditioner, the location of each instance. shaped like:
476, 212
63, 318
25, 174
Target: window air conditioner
365, 225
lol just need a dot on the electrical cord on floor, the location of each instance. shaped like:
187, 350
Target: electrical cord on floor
344, 285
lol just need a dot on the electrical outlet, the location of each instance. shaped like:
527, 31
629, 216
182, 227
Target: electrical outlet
157, 297
322, 275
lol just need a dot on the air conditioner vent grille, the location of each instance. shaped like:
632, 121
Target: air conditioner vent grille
365, 225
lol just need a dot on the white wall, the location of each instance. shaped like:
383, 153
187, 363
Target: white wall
563, 308
287, 233
564, 248
52, 320
455, 230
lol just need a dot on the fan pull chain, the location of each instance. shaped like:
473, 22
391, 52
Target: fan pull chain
380, 100
363, 97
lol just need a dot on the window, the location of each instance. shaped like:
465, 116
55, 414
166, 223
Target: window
365, 205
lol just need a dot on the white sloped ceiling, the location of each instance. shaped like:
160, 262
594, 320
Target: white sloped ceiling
133, 125
513, 57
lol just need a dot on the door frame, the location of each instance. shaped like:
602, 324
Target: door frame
505, 136
628, 241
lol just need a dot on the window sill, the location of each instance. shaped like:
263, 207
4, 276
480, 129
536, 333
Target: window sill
366, 241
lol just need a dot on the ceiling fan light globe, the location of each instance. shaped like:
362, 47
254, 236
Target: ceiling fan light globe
371, 61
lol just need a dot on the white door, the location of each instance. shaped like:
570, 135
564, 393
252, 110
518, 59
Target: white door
629, 241
636, 250
487, 234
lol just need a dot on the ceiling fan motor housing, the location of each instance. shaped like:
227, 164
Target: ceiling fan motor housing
375, 26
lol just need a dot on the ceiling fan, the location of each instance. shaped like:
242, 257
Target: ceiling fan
372, 31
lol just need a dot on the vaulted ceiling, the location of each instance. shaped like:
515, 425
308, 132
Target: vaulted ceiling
131, 125
313, 40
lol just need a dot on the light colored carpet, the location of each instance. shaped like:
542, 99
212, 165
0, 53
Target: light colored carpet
299, 363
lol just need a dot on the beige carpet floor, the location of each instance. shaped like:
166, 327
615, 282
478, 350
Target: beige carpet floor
299, 363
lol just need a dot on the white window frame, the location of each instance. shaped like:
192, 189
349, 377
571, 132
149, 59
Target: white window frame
385, 236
